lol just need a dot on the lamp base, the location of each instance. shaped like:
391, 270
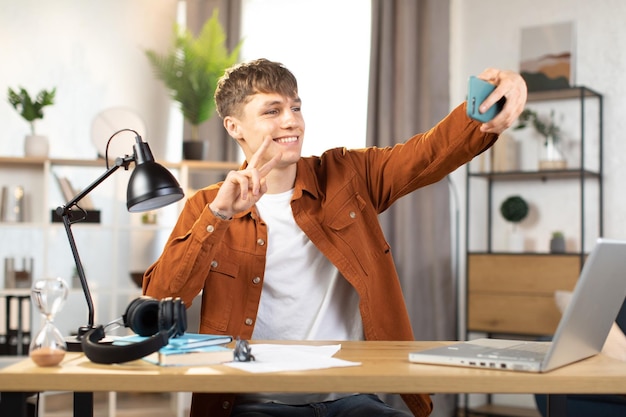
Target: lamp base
73, 344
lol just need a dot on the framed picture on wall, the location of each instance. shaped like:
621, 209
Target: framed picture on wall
547, 53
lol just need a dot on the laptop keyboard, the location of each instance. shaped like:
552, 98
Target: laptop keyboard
529, 351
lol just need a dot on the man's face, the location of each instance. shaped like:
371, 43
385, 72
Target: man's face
269, 115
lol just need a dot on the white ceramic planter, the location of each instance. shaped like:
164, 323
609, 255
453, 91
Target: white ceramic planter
516, 241
36, 146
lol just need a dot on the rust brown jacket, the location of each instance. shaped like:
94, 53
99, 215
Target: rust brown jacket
336, 201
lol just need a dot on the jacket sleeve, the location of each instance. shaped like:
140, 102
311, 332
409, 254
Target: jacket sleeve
392, 172
185, 261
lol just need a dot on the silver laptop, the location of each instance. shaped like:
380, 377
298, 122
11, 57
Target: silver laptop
582, 331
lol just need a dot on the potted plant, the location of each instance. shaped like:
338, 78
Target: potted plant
514, 209
190, 70
557, 242
31, 110
551, 157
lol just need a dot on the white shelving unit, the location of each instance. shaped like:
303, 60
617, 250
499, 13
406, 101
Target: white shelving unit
119, 244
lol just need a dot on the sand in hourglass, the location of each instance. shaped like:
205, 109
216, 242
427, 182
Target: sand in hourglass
47, 356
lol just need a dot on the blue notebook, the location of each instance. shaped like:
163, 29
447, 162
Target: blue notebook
190, 349
183, 342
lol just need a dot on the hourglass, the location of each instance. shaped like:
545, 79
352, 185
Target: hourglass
48, 347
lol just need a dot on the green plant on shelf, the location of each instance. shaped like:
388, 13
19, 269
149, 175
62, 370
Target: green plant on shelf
514, 209
30, 109
546, 128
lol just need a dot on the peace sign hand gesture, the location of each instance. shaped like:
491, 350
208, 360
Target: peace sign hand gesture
242, 189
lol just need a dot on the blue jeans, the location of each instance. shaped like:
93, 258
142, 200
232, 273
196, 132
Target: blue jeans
360, 405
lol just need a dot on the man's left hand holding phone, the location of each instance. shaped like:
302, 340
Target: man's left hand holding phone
510, 93
477, 91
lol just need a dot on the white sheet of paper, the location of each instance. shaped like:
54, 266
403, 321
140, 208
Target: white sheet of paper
276, 358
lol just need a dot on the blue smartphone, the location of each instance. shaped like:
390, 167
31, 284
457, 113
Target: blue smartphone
477, 92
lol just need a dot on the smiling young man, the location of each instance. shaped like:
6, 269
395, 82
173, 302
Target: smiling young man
289, 247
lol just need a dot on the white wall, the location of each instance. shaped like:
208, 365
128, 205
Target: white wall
93, 53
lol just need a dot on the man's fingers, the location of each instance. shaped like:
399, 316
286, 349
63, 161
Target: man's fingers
269, 165
509, 85
256, 158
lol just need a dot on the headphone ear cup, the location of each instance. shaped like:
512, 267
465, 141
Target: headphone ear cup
142, 316
173, 316
180, 317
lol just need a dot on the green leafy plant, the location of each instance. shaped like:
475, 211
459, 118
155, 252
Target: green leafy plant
514, 209
30, 109
546, 128
192, 67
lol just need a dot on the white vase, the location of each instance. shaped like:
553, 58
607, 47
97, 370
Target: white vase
516, 241
36, 146
551, 156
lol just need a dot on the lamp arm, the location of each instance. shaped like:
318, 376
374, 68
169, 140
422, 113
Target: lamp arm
81, 275
65, 213
119, 162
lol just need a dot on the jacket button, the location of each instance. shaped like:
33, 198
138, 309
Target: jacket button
214, 264
226, 405
210, 228
248, 322
256, 280
260, 242
352, 215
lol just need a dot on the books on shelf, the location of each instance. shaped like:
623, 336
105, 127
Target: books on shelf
69, 192
190, 349
15, 324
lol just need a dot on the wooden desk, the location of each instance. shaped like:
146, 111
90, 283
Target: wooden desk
385, 368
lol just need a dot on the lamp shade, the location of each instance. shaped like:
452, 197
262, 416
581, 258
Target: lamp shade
151, 186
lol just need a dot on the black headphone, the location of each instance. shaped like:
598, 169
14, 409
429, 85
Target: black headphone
146, 316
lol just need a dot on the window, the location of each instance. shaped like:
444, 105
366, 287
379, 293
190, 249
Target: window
326, 44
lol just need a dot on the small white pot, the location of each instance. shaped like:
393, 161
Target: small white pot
516, 241
36, 146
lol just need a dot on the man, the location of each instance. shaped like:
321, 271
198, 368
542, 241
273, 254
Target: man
290, 247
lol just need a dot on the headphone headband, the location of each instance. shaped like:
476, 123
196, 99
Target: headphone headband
146, 316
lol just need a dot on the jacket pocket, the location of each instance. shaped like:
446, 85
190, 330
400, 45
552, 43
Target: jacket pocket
355, 227
218, 295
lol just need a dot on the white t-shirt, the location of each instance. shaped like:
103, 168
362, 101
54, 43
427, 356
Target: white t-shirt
304, 297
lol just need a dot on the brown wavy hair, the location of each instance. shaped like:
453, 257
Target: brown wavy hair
248, 78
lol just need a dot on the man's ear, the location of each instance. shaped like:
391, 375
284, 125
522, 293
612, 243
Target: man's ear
232, 127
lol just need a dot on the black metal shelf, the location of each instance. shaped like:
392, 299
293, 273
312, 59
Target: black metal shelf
575, 92
542, 175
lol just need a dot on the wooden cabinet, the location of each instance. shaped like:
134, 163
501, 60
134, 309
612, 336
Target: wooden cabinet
520, 301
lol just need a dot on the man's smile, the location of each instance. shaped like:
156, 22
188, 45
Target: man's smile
288, 139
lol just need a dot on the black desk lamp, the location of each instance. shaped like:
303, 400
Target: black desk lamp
151, 186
